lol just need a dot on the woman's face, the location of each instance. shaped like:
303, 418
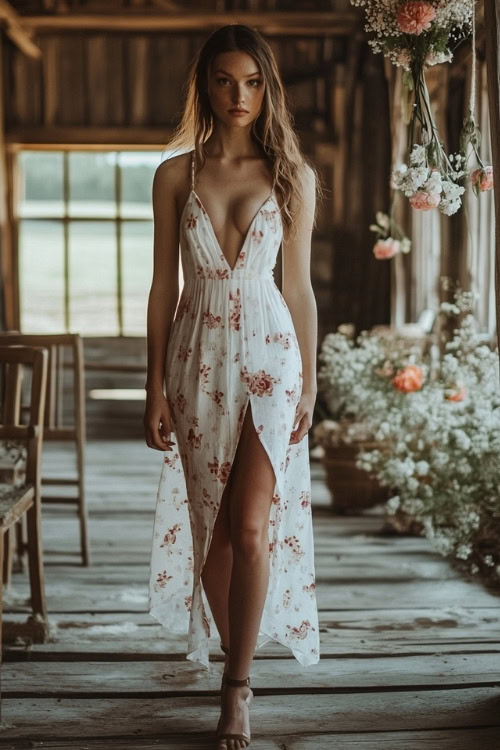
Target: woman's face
235, 88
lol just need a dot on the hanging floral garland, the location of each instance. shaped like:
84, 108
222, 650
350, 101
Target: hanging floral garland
415, 35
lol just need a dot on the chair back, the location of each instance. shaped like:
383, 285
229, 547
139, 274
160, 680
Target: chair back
57, 344
16, 436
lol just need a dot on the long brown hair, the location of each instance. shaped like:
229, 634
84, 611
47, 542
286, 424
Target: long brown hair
272, 129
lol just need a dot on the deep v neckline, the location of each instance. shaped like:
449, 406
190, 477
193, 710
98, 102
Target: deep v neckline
247, 235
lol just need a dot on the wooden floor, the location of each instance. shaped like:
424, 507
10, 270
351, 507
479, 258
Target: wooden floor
410, 651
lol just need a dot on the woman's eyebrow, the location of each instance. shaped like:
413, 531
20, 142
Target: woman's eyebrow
219, 70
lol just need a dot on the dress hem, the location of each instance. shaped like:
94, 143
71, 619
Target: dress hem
304, 659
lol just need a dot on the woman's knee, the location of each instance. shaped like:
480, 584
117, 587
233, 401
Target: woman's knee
249, 541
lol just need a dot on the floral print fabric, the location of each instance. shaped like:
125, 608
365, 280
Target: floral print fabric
232, 346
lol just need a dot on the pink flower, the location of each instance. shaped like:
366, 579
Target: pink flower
422, 201
456, 395
404, 57
386, 248
483, 178
409, 379
414, 17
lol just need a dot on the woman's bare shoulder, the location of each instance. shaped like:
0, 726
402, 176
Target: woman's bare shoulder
170, 175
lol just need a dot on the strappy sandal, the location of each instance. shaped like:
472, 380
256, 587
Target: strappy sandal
228, 736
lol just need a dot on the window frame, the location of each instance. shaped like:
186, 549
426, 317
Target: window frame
12, 270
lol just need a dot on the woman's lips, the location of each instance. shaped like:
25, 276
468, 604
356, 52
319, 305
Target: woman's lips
238, 112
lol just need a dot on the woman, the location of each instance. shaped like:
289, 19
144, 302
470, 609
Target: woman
232, 540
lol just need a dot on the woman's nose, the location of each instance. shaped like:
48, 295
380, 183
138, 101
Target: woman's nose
238, 94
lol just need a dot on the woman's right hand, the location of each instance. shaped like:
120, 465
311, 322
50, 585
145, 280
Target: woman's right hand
158, 423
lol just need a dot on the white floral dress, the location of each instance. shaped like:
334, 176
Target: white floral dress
232, 345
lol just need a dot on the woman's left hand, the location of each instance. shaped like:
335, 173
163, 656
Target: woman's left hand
303, 417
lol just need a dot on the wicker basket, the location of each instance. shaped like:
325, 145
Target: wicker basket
352, 489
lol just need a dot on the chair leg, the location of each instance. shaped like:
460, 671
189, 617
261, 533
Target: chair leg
8, 557
1, 610
82, 505
1, 588
84, 542
20, 544
35, 559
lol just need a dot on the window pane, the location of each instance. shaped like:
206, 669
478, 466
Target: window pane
92, 184
92, 278
137, 243
40, 184
41, 276
137, 170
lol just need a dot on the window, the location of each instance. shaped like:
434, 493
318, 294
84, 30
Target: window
85, 240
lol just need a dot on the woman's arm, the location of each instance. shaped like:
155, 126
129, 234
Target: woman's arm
299, 296
162, 302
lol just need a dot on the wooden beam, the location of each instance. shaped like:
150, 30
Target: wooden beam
16, 30
492, 24
88, 137
273, 23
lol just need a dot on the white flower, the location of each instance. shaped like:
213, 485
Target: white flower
463, 551
422, 468
434, 57
418, 156
405, 245
393, 504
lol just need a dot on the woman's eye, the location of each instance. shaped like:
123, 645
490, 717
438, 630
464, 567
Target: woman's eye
256, 82
221, 80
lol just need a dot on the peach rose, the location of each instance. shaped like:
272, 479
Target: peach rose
483, 178
409, 379
386, 248
456, 395
414, 17
422, 201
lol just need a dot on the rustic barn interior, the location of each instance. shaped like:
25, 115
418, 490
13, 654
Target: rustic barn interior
91, 92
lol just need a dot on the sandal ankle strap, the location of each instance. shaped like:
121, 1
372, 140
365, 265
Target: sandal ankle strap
236, 683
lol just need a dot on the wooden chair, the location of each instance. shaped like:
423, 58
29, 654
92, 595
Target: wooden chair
22, 498
54, 426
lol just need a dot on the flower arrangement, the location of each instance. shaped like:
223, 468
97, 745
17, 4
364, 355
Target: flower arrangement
415, 30
352, 370
429, 186
415, 35
434, 419
440, 445
358, 375
390, 237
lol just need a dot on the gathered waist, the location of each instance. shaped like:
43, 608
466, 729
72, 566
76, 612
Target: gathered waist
235, 278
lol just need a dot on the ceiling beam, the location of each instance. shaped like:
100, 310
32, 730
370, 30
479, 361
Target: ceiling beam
16, 30
274, 23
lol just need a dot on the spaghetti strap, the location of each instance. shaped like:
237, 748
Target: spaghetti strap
192, 170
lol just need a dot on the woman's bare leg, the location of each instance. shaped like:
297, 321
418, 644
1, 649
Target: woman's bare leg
252, 487
216, 574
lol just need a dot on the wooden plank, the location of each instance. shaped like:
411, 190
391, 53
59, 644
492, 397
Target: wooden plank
130, 643
442, 739
428, 625
381, 570
288, 715
154, 679
83, 592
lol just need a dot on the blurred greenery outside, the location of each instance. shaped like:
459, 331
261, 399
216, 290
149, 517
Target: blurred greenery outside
104, 199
